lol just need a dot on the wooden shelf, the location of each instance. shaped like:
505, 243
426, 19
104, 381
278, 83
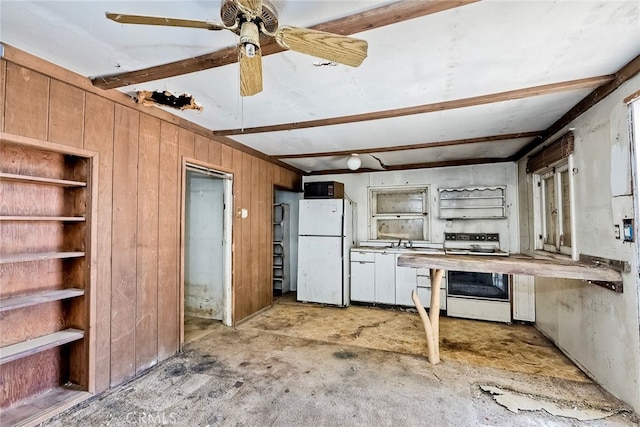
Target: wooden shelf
454, 201
27, 348
42, 218
53, 401
41, 180
39, 256
46, 225
12, 303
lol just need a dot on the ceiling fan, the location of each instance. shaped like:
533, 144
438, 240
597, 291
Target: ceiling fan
256, 19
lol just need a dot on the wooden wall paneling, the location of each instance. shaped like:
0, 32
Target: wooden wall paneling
147, 245
202, 148
30, 376
123, 247
226, 156
254, 239
26, 103
3, 99
25, 237
25, 277
266, 285
215, 151
26, 323
238, 285
168, 242
249, 295
76, 352
277, 179
16, 159
271, 173
66, 114
187, 143
98, 136
247, 250
186, 149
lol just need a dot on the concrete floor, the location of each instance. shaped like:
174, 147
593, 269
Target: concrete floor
266, 374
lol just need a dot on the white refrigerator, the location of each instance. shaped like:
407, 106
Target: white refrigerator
325, 235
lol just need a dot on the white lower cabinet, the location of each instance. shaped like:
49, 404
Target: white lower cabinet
524, 298
376, 278
363, 275
385, 278
405, 284
424, 288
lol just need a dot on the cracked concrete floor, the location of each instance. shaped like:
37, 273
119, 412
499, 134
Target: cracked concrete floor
252, 376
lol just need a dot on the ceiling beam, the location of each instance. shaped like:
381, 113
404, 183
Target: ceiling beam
439, 164
494, 138
357, 23
429, 108
601, 92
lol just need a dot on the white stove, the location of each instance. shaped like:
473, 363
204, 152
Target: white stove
473, 244
483, 296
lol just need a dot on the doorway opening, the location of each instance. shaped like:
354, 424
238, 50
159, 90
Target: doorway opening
206, 237
285, 243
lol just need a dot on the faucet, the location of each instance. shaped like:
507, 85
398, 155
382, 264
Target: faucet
410, 244
399, 241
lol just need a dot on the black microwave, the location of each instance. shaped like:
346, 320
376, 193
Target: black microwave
324, 190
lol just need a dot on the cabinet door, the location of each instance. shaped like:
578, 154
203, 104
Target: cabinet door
524, 299
405, 284
385, 283
363, 281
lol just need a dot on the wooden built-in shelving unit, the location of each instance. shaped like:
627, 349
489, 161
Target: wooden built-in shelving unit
46, 229
472, 203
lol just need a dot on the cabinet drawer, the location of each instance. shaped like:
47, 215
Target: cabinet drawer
362, 256
425, 282
424, 272
427, 272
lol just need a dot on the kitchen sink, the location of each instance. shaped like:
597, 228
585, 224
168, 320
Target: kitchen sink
401, 250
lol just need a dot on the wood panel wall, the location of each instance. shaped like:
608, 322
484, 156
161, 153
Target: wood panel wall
139, 191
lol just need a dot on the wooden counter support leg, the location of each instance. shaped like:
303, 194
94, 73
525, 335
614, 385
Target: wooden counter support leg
434, 310
431, 351
431, 325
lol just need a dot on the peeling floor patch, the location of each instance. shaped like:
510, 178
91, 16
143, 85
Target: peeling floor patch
518, 402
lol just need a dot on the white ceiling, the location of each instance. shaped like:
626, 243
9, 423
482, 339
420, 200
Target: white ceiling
474, 50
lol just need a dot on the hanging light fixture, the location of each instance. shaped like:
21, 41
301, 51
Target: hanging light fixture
354, 162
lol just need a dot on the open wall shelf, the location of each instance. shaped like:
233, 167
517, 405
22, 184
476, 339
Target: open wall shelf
46, 254
472, 203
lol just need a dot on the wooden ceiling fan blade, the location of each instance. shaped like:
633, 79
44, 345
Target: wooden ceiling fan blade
123, 18
250, 72
333, 47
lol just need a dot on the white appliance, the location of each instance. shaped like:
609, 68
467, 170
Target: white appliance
325, 235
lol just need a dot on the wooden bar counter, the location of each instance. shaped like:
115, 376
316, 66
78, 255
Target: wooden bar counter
513, 264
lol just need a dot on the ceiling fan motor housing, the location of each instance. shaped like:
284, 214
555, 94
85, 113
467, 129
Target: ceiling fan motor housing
230, 13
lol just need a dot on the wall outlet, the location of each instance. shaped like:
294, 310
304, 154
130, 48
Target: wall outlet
616, 231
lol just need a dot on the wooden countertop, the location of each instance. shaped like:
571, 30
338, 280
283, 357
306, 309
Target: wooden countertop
513, 264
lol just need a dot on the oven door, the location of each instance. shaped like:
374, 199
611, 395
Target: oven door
481, 296
487, 286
